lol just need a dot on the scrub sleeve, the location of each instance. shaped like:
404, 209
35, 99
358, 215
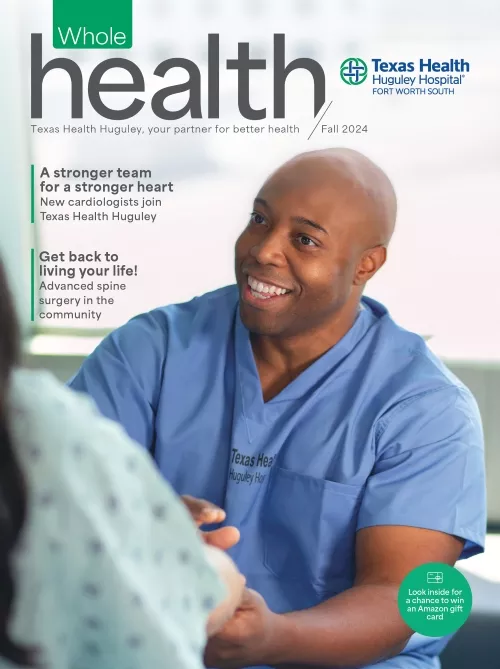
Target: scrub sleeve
430, 470
124, 374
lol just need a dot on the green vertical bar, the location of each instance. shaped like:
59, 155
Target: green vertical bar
33, 285
32, 193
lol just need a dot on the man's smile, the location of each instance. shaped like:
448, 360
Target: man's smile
256, 292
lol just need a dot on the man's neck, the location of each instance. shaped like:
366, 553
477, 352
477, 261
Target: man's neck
280, 360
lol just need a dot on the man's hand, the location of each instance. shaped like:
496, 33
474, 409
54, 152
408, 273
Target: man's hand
206, 513
203, 512
247, 638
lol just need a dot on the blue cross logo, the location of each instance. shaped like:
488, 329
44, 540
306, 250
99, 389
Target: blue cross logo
353, 71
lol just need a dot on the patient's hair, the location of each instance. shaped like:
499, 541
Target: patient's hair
12, 489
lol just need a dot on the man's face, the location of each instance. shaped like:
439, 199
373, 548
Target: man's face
297, 257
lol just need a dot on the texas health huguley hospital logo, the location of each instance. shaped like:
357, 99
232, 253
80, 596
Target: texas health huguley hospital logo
353, 71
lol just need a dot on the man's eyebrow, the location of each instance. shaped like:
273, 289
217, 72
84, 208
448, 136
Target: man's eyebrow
312, 224
260, 200
295, 219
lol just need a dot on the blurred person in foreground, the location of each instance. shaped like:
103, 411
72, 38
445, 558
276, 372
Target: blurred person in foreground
101, 564
340, 446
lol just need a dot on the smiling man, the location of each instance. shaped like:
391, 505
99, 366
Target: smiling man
342, 449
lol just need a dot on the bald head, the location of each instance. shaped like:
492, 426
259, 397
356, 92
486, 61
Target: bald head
357, 185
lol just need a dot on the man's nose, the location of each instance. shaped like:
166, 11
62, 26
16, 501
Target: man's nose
269, 250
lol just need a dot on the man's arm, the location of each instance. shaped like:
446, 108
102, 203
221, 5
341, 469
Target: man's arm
359, 627
363, 625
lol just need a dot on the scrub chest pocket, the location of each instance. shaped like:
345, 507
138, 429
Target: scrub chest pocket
309, 527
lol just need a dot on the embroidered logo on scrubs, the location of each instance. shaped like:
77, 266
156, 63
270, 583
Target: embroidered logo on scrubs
260, 461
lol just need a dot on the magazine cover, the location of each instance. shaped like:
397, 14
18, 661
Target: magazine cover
250, 336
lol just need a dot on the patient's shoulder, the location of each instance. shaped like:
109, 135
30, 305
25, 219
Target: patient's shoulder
40, 406
48, 422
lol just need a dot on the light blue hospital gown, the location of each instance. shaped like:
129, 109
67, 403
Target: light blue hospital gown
110, 571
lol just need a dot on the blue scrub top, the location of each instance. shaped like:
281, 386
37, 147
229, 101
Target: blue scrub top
375, 432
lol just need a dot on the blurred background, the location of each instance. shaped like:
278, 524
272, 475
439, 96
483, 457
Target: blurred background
442, 153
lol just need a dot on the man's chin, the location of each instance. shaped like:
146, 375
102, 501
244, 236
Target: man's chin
259, 322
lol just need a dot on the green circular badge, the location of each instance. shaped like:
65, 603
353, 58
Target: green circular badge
435, 599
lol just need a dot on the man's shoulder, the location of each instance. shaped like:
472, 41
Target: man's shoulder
413, 391
404, 360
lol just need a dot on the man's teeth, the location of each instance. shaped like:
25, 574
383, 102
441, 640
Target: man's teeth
260, 289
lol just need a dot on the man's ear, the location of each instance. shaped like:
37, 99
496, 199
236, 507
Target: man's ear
371, 261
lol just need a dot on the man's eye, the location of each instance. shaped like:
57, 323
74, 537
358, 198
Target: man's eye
257, 218
304, 240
